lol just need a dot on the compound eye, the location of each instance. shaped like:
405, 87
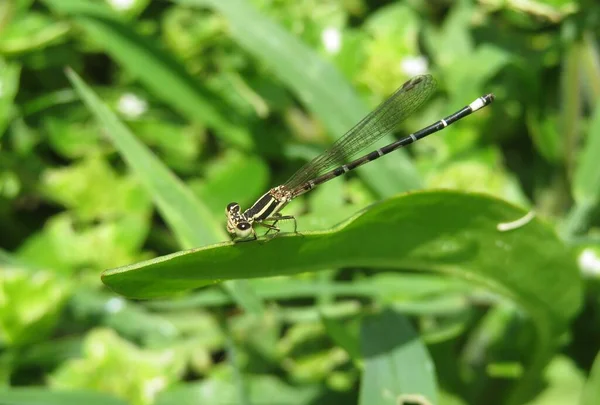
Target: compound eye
243, 229
233, 207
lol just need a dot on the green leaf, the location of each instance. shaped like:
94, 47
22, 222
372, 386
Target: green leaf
321, 87
9, 85
397, 364
589, 64
29, 311
191, 220
155, 68
586, 182
39, 396
571, 103
591, 389
448, 232
70, 186
66, 243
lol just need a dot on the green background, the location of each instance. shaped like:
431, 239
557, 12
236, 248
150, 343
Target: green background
461, 270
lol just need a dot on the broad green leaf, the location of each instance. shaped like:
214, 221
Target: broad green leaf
190, 220
591, 389
321, 87
40, 396
155, 68
397, 365
448, 232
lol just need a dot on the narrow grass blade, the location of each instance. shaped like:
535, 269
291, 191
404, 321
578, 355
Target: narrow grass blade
586, 182
571, 102
191, 221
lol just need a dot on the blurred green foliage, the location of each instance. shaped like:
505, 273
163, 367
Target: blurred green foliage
126, 126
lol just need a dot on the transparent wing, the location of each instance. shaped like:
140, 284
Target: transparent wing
381, 121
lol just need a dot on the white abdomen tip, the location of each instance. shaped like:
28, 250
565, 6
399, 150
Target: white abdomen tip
477, 104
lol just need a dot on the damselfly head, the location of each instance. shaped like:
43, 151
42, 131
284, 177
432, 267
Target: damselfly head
237, 223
